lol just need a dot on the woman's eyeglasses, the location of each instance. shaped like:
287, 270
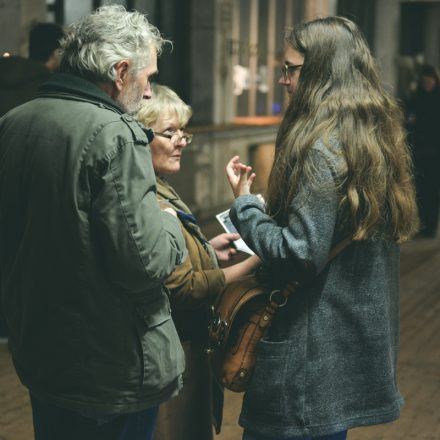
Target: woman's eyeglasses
288, 69
175, 137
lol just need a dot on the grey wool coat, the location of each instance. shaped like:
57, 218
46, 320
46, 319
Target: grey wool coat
329, 361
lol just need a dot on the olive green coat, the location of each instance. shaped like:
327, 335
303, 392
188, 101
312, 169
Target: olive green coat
84, 249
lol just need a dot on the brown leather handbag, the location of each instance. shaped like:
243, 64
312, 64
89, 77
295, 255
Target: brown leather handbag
239, 318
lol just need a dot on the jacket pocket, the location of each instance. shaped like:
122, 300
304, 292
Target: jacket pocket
266, 391
276, 392
162, 353
155, 313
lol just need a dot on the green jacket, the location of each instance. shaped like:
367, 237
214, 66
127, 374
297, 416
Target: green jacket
84, 249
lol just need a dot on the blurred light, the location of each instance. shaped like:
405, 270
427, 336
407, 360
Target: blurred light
6, 55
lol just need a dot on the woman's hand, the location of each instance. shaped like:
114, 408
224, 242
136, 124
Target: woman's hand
223, 245
240, 177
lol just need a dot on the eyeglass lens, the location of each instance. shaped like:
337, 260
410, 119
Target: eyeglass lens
176, 138
288, 70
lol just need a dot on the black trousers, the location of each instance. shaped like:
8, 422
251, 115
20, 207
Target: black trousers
54, 423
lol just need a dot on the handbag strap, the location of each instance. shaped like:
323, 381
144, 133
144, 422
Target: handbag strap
278, 298
338, 248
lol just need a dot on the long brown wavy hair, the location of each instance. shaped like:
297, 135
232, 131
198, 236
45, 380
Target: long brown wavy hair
339, 94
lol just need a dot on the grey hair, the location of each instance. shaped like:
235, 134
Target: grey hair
94, 44
163, 100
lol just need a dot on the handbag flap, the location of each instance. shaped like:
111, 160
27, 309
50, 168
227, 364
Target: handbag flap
232, 299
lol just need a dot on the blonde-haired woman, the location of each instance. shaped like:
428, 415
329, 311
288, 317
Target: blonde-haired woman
193, 285
341, 169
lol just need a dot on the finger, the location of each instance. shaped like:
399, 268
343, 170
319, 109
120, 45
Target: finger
242, 165
230, 171
243, 177
248, 169
232, 178
243, 169
238, 168
232, 236
232, 162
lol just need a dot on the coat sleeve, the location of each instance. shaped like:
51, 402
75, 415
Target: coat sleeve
140, 245
306, 239
191, 286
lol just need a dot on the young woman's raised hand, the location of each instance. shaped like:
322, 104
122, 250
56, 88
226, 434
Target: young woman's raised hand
240, 177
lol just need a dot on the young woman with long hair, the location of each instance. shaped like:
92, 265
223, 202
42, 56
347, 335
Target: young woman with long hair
342, 169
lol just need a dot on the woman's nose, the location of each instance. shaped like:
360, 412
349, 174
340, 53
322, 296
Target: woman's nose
282, 80
182, 142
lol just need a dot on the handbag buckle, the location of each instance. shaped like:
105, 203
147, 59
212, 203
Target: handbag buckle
278, 298
217, 326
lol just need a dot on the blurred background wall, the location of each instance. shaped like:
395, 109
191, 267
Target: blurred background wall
225, 63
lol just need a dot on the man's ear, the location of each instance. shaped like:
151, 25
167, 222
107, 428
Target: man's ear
122, 70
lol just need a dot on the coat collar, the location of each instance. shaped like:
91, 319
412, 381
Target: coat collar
66, 84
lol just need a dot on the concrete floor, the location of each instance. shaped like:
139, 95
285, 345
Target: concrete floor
419, 363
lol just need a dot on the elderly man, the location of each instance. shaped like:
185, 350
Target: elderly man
84, 246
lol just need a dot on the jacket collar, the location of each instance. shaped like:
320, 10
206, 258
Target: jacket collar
66, 84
